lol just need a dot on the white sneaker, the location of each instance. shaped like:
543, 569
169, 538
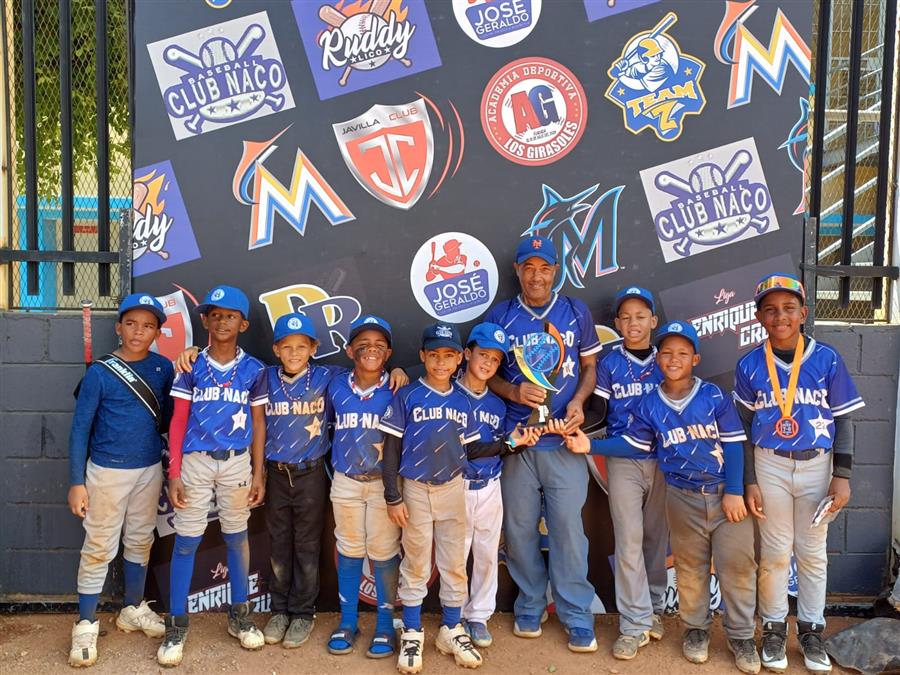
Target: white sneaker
241, 626
409, 659
142, 618
171, 650
84, 643
456, 641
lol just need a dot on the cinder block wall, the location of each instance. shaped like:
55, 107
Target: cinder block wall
41, 362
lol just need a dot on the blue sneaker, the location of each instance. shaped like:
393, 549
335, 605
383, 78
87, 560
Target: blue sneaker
581, 640
529, 625
479, 633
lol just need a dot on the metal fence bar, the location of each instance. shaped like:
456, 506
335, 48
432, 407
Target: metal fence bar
103, 270
884, 139
29, 122
853, 73
821, 102
65, 132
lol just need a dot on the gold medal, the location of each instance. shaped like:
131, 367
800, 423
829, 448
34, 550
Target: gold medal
786, 427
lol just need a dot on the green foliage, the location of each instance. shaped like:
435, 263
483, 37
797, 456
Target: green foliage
84, 107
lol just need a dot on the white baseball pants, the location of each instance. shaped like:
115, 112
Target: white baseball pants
484, 522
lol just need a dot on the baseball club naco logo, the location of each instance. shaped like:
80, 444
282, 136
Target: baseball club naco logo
497, 23
331, 315
354, 45
533, 111
454, 277
656, 84
737, 47
584, 231
702, 202
254, 186
390, 149
221, 75
162, 235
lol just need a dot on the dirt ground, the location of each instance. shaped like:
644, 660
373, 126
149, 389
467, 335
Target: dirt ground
39, 643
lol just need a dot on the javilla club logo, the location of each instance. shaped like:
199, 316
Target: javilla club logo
715, 198
390, 150
354, 45
454, 277
655, 83
162, 235
221, 75
255, 186
534, 111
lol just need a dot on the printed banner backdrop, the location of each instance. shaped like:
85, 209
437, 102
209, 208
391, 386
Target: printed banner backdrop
386, 156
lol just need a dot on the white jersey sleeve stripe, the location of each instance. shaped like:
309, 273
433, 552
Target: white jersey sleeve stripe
178, 393
640, 445
849, 406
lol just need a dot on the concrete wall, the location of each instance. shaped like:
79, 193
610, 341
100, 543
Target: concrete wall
40, 364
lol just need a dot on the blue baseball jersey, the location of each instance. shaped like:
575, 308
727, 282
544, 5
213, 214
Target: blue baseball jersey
825, 390
524, 326
489, 413
297, 414
435, 427
221, 396
688, 433
623, 379
358, 443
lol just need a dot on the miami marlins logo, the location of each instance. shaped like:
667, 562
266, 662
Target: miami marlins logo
254, 186
655, 83
797, 149
737, 47
583, 231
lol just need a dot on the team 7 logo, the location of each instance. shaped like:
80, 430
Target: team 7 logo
703, 202
737, 47
220, 75
583, 231
254, 186
655, 83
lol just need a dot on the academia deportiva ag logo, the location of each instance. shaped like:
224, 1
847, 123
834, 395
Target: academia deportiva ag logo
534, 111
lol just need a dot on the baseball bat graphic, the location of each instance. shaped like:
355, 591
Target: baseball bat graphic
738, 164
250, 40
181, 58
86, 332
665, 23
332, 16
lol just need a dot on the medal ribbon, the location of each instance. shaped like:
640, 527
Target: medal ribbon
784, 405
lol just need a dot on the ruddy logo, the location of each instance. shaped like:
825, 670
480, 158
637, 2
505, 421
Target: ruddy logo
162, 235
534, 111
715, 198
354, 45
221, 75
655, 84
454, 277
497, 23
737, 47
254, 186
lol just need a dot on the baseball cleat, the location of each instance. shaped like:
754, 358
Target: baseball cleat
815, 658
171, 650
745, 657
456, 641
141, 617
695, 645
83, 651
626, 647
410, 657
657, 630
479, 633
241, 626
774, 639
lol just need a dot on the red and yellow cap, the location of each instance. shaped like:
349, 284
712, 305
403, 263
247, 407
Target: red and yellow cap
779, 282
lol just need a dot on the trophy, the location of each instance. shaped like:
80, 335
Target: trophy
539, 359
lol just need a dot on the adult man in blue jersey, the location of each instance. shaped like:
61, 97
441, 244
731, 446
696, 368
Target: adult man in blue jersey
556, 343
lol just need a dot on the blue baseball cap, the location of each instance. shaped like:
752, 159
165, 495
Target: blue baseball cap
370, 322
439, 335
681, 329
294, 323
489, 336
635, 292
226, 297
536, 247
143, 301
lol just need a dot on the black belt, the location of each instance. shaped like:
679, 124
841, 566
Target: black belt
223, 455
364, 477
299, 467
801, 455
704, 488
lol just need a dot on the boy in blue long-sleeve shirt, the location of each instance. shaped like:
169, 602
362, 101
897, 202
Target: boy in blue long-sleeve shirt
698, 435
115, 472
